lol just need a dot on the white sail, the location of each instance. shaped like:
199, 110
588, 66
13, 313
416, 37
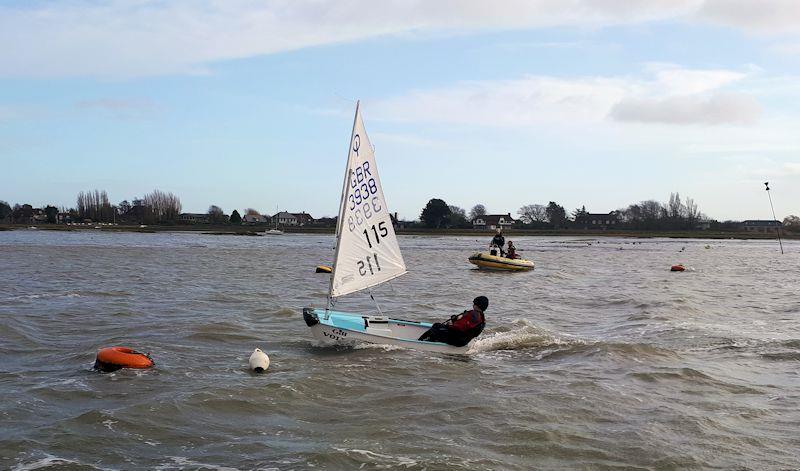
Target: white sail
367, 252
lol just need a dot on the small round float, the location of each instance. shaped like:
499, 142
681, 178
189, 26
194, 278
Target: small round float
678, 267
114, 358
259, 361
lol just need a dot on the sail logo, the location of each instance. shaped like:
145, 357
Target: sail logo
356, 144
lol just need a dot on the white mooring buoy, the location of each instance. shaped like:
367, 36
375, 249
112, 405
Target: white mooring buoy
259, 361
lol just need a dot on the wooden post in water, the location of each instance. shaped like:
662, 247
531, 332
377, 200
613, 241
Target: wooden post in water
766, 184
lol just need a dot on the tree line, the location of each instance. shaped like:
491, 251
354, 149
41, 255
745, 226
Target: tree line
94, 206
675, 215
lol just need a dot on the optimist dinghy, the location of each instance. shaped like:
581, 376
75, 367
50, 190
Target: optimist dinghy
367, 254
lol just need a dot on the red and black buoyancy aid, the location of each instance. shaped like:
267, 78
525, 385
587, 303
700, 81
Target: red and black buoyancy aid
470, 322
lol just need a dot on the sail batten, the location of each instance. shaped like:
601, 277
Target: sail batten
367, 251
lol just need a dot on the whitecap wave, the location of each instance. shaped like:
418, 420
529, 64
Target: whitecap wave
181, 462
49, 461
43, 296
520, 335
379, 460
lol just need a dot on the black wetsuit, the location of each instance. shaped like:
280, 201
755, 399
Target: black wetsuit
499, 241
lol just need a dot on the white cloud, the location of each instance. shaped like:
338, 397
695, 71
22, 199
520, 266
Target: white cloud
791, 168
129, 38
407, 139
766, 17
675, 80
716, 109
520, 102
760, 169
788, 48
121, 108
666, 94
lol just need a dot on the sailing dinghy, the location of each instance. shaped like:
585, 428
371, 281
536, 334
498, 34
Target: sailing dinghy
367, 254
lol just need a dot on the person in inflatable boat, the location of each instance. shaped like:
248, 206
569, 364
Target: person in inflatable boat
499, 241
460, 328
511, 252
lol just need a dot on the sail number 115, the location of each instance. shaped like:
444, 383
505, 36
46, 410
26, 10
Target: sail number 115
378, 233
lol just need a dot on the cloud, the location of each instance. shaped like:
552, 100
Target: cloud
717, 109
672, 79
521, 102
119, 108
791, 168
134, 38
772, 17
787, 48
665, 94
407, 139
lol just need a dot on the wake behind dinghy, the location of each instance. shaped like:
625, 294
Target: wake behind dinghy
367, 254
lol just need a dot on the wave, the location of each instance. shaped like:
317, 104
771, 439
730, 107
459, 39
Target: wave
69, 294
50, 461
24, 297
521, 334
693, 376
181, 462
378, 460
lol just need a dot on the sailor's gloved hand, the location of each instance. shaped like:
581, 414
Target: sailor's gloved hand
454, 318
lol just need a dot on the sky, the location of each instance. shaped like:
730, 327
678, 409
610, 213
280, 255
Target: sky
249, 104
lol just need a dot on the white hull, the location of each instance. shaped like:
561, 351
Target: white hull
395, 332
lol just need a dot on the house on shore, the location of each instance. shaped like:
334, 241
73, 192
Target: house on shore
193, 218
597, 220
254, 219
292, 219
491, 222
761, 225
303, 218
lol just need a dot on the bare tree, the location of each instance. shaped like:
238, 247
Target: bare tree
533, 213
162, 206
792, 223
675, 207
477, 210
94, 205
692, 213
251, 212
216, 215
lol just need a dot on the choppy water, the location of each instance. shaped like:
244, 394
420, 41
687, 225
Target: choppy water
600, 358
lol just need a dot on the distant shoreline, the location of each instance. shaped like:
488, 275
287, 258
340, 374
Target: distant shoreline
255, 230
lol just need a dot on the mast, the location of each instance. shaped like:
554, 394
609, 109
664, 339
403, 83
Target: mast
340, 219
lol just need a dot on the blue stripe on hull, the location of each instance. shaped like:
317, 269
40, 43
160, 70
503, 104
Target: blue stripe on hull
355, 323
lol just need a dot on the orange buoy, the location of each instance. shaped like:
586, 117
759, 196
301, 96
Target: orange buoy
678, 267
114, 358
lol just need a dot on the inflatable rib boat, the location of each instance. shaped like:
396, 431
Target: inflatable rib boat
342, 327
487, 261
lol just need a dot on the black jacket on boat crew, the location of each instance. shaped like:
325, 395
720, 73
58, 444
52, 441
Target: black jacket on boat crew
499, 240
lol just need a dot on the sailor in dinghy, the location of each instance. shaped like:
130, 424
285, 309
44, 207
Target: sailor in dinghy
367, 254
460, 329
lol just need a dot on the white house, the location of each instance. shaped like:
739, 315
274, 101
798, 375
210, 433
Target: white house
286, 219
493, 221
